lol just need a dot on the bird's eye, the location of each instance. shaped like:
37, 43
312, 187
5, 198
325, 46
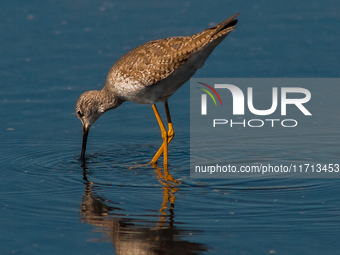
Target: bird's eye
80, 114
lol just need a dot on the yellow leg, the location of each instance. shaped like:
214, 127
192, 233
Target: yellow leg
170, 135
165, 139
171, 132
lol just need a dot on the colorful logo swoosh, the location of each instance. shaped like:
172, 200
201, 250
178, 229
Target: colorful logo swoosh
209, 93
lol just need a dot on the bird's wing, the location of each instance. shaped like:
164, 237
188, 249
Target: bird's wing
156, 60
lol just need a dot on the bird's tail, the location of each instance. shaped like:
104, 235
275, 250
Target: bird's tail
225, 27
212, 33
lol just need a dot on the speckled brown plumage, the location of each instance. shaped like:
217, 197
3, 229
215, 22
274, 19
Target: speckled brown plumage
152, 72
156, 60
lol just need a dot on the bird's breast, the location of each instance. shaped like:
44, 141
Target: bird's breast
135, 91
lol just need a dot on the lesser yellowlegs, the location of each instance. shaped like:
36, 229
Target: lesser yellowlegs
151, 73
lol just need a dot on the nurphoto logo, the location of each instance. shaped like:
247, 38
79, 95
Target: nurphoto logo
238, 104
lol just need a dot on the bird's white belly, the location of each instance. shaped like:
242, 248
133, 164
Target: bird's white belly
166, 87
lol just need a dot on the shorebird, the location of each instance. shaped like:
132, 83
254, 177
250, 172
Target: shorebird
151, 73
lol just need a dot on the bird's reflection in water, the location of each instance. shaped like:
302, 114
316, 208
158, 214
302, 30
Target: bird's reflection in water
128, 235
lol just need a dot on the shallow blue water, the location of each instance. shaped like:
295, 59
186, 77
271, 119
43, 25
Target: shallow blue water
52, 203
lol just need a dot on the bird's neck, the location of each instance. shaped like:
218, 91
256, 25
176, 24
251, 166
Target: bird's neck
109, 100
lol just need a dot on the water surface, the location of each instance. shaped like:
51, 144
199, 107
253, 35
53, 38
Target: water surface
53, 203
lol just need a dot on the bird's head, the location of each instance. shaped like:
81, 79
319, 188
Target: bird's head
88, 110
91, 105
88, 107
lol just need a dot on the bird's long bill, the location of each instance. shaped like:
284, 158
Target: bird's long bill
85, 134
